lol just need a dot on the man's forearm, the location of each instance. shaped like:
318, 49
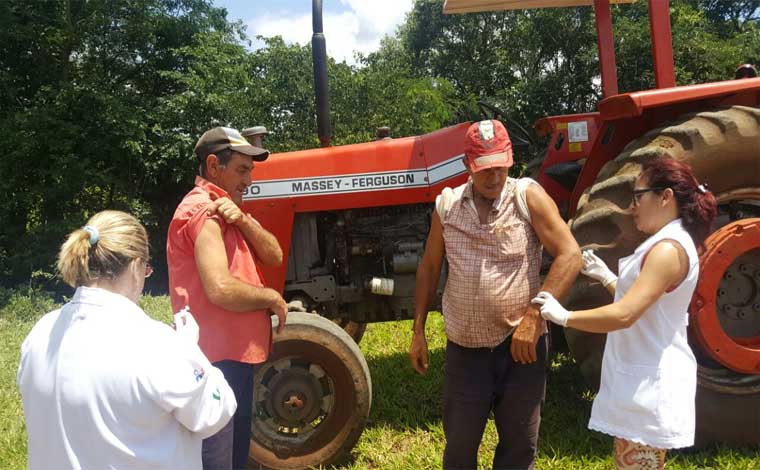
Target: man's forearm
423, 294
263, 243
562, 273
237, 296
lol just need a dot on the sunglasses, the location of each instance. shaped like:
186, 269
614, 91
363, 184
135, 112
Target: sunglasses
637, 193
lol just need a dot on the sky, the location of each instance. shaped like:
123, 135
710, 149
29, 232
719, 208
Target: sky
349, 25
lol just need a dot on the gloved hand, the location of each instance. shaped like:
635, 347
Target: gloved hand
186, 325
551, 309
594, 267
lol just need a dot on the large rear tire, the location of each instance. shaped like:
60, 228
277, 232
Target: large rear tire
723, 148
311, 398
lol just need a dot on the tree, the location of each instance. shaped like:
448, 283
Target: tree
735, 13
706, 48
81, 87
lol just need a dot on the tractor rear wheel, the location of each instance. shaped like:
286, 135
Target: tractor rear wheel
723, 148
311, 398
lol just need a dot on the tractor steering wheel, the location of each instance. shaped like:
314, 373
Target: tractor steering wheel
519, 135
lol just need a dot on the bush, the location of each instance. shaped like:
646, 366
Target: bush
24, 304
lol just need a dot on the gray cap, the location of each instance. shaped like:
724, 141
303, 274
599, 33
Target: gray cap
221, 138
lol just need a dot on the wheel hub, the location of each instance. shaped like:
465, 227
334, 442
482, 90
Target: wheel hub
725, 309
292, 398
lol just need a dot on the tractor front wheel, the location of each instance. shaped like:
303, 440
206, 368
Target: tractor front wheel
311, 398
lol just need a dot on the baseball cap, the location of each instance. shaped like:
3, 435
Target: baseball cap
487, 145
221, 138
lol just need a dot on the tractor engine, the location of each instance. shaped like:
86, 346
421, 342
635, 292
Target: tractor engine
358, 264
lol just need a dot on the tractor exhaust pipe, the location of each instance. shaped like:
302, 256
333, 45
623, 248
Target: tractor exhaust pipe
321, 88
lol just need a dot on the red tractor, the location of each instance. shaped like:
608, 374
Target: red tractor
352, 221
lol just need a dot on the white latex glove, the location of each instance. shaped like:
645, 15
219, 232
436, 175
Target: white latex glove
551, 309
186, 325
594, 267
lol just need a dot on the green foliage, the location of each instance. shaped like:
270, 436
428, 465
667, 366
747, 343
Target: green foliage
530, 63
82, 86
23, 304
709, 40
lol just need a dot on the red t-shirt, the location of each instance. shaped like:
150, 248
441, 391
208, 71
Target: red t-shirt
239, 336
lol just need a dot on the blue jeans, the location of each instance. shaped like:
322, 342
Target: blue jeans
228, 448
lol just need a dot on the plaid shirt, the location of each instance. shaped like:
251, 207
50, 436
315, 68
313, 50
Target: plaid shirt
493, 269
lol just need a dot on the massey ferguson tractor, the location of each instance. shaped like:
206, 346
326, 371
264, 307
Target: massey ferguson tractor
352, 221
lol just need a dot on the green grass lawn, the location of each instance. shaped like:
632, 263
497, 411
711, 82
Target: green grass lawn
404, 430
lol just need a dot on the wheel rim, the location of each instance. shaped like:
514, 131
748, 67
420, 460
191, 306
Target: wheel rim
293, 398
725, 308
312, 399
306, 370
728, 296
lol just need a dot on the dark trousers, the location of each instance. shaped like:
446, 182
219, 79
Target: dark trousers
479, 381
228, 449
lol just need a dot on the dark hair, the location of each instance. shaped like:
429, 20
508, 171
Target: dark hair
696, 206
224, 156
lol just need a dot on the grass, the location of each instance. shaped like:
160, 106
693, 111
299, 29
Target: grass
404, 430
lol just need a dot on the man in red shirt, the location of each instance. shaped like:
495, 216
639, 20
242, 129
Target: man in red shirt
214, 250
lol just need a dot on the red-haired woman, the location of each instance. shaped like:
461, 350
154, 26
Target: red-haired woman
648, 384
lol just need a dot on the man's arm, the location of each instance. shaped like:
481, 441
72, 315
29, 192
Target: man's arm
559, 242
224, 290
264, 245
428, 275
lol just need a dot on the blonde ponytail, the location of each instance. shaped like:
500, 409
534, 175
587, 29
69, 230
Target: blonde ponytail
86, 257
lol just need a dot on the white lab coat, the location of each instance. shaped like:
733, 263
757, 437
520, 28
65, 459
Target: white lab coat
649, 373
106, 387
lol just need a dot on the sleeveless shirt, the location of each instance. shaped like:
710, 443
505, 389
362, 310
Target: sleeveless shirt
493, 267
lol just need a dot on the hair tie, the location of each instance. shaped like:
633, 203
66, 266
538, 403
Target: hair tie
702, 188
94, 234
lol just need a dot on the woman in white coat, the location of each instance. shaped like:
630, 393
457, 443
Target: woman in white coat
103, 385
648, 384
